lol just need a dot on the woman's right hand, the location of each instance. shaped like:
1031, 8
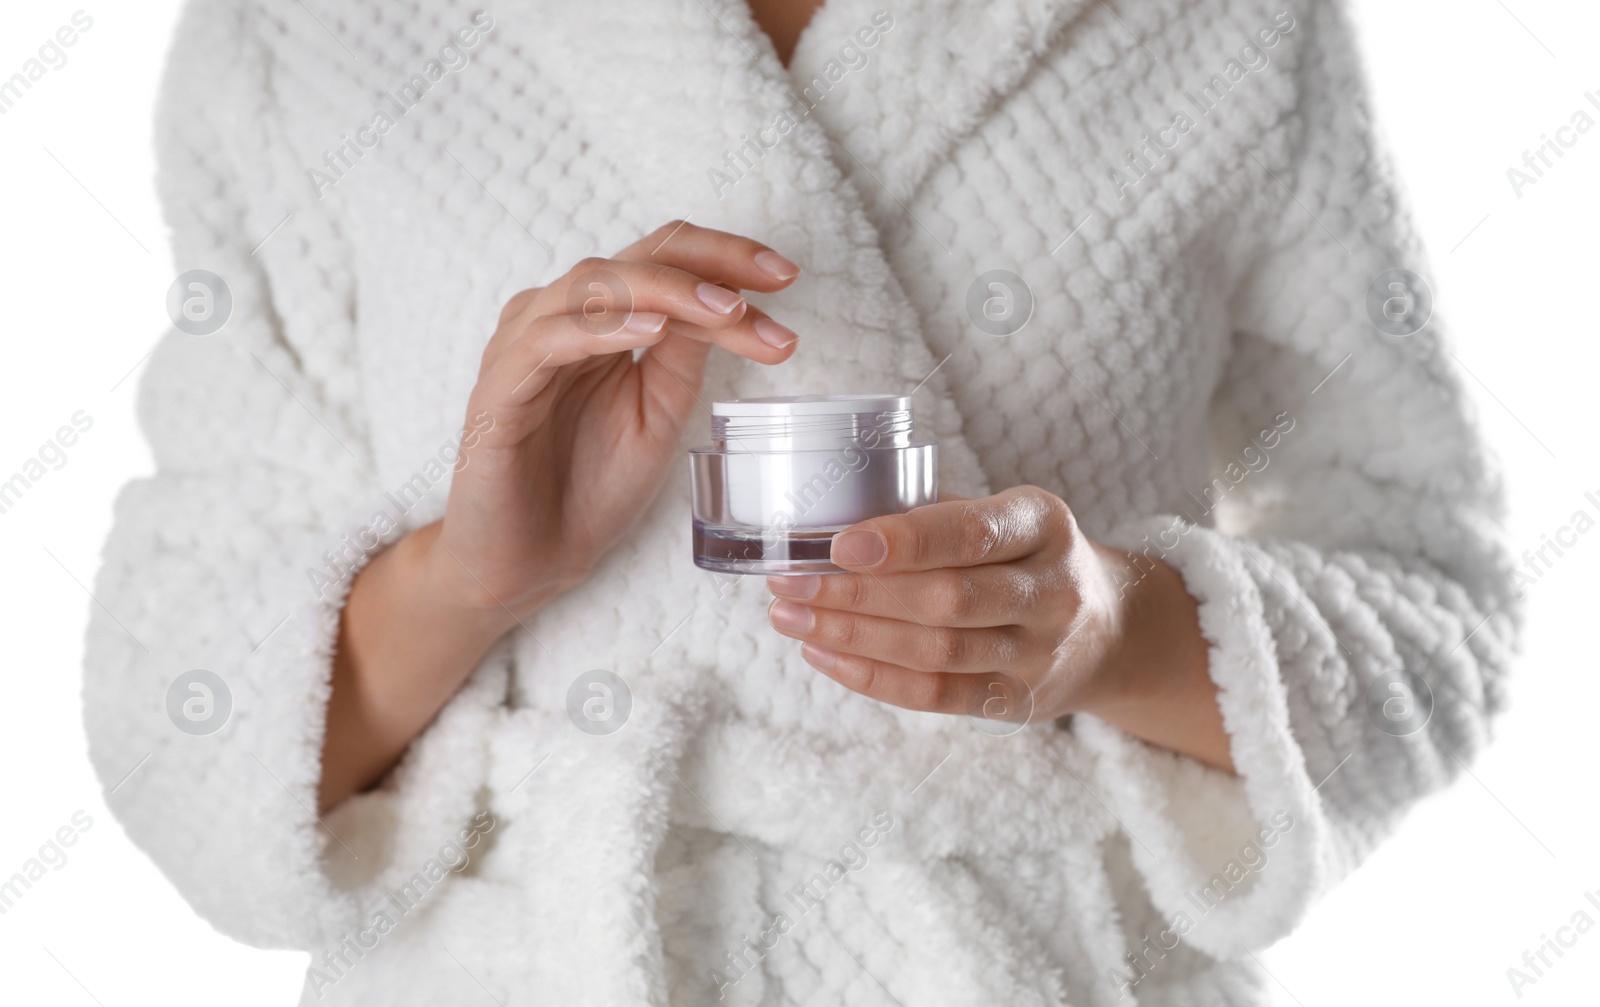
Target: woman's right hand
569, 440
571, 436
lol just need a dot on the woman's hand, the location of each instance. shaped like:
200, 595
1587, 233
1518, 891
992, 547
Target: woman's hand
569, 439
1002, 608
580, 435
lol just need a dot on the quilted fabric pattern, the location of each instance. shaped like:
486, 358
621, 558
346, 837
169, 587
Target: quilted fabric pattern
371, 217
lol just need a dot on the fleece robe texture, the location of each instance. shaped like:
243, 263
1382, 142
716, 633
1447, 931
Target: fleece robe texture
1190, 202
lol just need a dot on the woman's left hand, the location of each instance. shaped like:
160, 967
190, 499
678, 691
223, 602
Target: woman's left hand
999, 608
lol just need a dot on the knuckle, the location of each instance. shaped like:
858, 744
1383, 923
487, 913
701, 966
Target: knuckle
931, 693
969, 599
843, 632
529, 345
1005, 649
980, 531
1029, 591
658, 274
518, 301
588, 264
950, 649
1054, 513
852, 591
869, 678
955, 597
907, 546
491, 352
659, 279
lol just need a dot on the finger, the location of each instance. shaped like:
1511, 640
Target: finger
602, 294
998, 529
671, 373
756, 337
927, 691
718, 256
551, 342
507, 328
715, 256
598, 286
895, 641
990, 595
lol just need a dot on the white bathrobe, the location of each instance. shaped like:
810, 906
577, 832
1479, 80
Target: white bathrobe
1190, 193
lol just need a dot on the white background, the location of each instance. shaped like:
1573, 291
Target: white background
1474, 879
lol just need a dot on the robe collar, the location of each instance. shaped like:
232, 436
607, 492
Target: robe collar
682, 82
666, 89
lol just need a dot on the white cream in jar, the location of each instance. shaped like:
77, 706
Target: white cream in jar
783, 475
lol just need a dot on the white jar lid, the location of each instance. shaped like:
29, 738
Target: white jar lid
811, 405
812, 422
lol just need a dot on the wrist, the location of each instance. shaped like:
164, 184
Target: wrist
1156, 640
496, 600
450, 589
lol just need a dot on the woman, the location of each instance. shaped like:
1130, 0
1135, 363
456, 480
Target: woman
1221, 541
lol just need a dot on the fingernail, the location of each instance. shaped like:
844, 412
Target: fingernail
802, 588
777, 266
790, 616
818, 658
775, 335
719, 299
645, 321
859, 548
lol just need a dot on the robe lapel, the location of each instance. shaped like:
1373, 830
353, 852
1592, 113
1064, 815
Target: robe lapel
929, 79
664, 89
680, 82
668, 88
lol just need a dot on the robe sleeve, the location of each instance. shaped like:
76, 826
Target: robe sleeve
1348, 559
235, 555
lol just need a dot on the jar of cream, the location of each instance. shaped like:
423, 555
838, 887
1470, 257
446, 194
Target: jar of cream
783, 475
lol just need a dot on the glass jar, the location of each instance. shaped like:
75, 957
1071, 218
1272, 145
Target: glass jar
783, 475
